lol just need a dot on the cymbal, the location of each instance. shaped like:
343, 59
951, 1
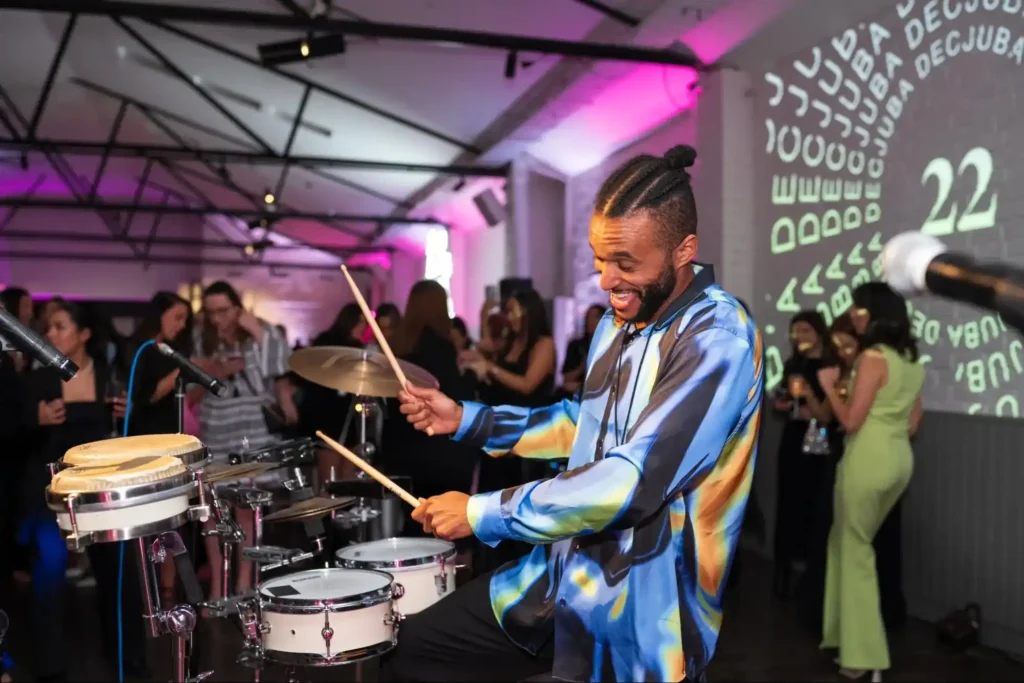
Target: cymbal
247, 470
355, 371
311, 508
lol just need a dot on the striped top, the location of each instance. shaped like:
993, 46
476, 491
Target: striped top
234, 423
635, 540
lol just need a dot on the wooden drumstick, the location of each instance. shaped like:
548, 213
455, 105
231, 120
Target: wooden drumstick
372, 322
370, 470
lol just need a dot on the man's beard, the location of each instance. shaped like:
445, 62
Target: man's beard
654, 296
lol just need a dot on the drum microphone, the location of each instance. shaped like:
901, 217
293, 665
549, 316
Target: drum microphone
196, 373
31, 344
913, 263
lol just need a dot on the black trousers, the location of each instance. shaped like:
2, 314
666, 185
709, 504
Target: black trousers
105, 558
458, 639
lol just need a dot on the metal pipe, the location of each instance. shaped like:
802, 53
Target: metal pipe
31, 235
64, 204
172, 260
51, 74
151, 599
216, 15
231, 156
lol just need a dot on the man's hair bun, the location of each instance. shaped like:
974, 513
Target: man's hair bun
681, 157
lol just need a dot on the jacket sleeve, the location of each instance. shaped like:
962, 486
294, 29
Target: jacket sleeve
539, 433
701, 416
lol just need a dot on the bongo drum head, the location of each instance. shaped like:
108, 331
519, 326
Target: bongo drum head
113, 451
133, 472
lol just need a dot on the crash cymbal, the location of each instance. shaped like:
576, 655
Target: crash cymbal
311, 508
355, 371
215, 474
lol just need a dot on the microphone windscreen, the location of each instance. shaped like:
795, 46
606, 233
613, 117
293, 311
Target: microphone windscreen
905, 261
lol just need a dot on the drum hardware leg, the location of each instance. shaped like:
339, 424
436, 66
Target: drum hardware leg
180, 620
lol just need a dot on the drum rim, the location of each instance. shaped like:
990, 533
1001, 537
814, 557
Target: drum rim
88, 538
123, 496
321, 661
426, 560
355, 601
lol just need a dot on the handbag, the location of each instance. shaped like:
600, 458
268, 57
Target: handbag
961, 628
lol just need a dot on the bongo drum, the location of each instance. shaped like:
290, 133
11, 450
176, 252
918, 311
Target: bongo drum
186, 448
130, 499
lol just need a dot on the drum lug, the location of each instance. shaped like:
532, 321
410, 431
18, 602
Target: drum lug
441, 580
397, 591
394, 618
71, 502
327, 633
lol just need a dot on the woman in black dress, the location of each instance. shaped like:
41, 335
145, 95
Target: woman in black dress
424, 339
63, 415
802, 400
168, 320
522, 374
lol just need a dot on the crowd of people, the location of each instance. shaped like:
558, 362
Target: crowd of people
512, 363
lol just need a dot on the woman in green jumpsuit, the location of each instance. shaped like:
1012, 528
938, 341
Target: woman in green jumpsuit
881, 414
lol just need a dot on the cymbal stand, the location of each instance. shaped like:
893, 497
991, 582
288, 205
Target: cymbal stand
178, 621
365, 408
228, 532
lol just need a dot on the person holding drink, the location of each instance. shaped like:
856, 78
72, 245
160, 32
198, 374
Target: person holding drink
801, 399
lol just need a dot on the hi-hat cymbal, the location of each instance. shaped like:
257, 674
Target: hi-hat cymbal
311, 508
355, 371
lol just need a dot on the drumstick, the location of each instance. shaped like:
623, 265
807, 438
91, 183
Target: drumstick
372, 322
370, 470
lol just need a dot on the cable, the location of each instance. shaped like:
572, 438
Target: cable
120, 562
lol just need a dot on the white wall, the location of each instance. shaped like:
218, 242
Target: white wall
480, 257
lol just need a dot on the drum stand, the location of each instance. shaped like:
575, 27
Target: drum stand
372, 522
178, 621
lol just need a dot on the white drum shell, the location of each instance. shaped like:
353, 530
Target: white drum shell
418, 576
354, 630
420, 586
125, 517
355, 605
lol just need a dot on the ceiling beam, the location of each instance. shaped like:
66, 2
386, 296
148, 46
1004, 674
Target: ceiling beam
230, 156
71, 205
609, 11
67, 257
317, 87
268, 20
31, 235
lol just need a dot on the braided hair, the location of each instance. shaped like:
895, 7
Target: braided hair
659, 186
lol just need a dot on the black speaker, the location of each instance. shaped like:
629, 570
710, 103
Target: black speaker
490, 207
511, 285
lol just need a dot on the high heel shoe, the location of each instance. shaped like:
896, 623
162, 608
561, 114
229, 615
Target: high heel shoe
865, 675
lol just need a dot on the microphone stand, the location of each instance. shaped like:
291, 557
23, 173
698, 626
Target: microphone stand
179, 399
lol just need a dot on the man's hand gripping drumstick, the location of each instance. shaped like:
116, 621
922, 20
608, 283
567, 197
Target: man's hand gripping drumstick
430, 411
378, 335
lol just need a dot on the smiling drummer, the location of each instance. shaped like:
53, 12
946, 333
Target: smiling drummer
634, 542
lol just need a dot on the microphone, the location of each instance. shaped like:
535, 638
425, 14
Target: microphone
31, 344
914, 263
198, 375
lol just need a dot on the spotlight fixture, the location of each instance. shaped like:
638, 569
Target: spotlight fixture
309, 47
268, 197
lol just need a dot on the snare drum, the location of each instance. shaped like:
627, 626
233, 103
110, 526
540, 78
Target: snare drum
130, 499
186, 448
423, 567
325, 617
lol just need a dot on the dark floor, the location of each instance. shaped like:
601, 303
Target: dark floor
761, 641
